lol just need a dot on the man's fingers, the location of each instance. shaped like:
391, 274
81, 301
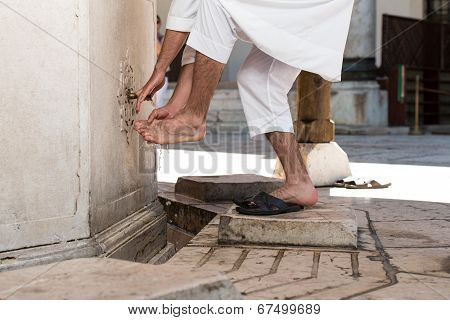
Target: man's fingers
141, 97
154, 115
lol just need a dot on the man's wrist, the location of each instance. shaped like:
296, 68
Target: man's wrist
161, 67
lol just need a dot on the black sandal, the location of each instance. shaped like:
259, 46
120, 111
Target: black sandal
263, 204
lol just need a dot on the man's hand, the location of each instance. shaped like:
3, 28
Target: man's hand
173, 41
155, 83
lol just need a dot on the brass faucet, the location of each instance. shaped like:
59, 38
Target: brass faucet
133, 96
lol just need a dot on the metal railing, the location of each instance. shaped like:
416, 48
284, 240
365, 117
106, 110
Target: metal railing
416, 129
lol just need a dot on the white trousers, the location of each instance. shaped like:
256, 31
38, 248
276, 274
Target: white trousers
264, 82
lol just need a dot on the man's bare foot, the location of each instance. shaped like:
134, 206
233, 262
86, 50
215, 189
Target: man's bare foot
303, 193
180, 128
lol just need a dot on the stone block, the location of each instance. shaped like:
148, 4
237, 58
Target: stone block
222, 188
164, 255
317, 131
110, 279
231, 116
321, 226
326, 163
179, 237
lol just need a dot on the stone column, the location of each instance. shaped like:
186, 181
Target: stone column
362, 33
75, 181
358, 100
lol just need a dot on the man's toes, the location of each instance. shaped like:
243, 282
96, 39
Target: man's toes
140, 124
149, 138
142, 131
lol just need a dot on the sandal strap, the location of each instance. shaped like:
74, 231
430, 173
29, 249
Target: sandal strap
265, 201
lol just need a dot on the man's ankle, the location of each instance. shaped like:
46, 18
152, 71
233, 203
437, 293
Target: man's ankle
194, 120
298, 180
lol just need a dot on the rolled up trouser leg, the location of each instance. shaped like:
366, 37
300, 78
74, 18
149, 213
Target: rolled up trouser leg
214, 32
264, 84
188, 56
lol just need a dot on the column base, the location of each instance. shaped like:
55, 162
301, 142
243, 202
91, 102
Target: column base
138, 237
326, 163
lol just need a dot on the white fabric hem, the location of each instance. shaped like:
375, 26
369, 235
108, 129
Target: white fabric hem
209, 47
267, 125
179, 24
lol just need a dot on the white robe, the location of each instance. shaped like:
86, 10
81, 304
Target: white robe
306, 34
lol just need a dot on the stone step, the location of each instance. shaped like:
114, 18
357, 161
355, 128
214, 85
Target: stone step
164, 255
231, 104
111, 279
321, 226
228, 187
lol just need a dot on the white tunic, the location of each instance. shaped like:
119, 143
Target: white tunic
306, 34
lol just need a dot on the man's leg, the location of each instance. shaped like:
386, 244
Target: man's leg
213, 37
183, 88
298, 187
264, 84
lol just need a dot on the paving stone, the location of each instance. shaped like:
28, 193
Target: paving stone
13, 281
291, 267
431, 261
331, 276
254, 263
425, 234
189, 257
322, 226
219, 188
110, 279
221, 259
412, 287
207, 237
395, 210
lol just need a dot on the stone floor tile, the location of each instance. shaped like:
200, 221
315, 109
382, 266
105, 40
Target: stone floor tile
110, 279
430, 261
189, 257
428, 234
290, 267
412, 287
333, 278
221, 259
206, 237
13, 281
396, 210
253, 263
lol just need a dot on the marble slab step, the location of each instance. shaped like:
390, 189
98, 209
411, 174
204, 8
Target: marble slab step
111, 279
324, 225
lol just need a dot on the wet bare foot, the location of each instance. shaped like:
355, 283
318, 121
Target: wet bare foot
180, 128
303, 193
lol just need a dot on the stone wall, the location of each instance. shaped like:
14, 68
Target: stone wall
67, 170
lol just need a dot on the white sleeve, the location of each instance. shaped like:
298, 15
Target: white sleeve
182, 14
